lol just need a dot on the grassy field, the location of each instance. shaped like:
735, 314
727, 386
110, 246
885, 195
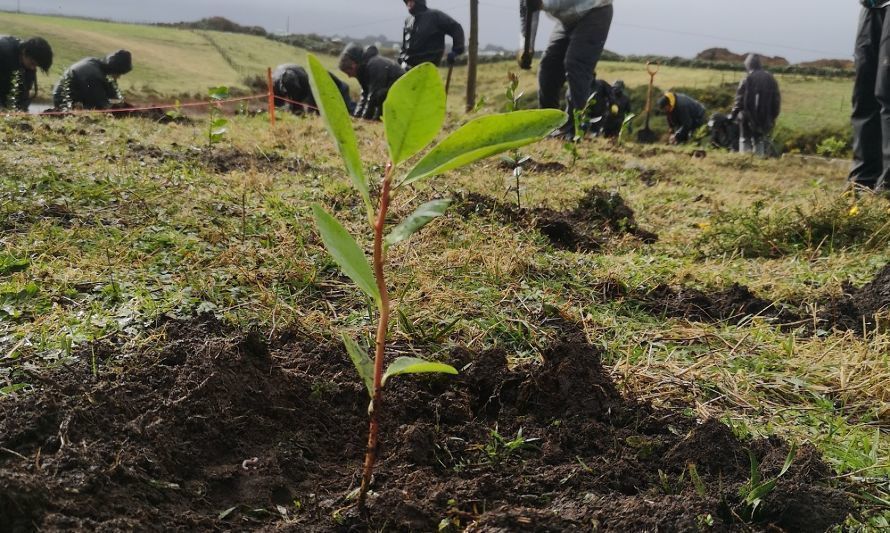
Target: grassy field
112, 226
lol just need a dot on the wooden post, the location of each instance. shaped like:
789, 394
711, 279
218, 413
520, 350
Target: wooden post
473, 55
271, 96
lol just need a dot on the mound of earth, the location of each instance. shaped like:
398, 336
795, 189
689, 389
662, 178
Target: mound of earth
222, 160
217, 430
860, 309
599, 216
733, 304
531, 165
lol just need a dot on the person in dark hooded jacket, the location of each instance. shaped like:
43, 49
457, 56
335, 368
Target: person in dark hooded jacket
871, 98
756, 108
684, 115
19, 61
374, 73
423, 39
91, 83
292, 82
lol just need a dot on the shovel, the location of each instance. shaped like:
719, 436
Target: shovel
646, 135
448, 80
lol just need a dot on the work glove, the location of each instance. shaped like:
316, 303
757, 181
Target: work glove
455, 52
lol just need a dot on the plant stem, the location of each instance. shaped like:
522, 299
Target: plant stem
382, 328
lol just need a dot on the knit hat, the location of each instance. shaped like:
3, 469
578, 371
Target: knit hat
119, 62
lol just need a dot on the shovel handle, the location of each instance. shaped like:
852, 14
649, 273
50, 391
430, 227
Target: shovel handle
652, 68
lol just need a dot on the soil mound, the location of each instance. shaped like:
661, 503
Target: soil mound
222, 160
599, 216
218, 430
860, 309
531, 165
733, 304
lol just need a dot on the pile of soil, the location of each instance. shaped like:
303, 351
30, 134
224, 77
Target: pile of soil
732, 304
216, 430
531, 165
599, 216
858, 309
222, 159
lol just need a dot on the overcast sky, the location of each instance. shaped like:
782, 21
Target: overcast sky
799, 30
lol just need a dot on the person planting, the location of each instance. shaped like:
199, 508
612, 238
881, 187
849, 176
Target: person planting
374, 73
684, 115
292, 82
19, 61
423, 38
756, 108
91, 83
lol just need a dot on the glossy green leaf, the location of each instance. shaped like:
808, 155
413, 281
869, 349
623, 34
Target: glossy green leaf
414, 112
336, 117
422, 216
346, 252
484, 137
415, 365
363, 363
218, 93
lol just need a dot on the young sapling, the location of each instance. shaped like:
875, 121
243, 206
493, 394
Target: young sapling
413, 116
217, 125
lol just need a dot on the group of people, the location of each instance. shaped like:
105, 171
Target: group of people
574, 49
91, 83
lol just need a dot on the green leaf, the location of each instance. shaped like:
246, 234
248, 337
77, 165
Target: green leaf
336, 117
415, 365
417, 220
414, 112
346, 252
9, 264
223, 514
484, 137
363, 363
218, 93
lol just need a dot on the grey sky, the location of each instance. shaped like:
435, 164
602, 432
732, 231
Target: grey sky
796, 29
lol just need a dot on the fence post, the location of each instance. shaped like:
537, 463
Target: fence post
271, 96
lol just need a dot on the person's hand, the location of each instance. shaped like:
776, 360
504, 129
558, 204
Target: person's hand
524, 60
672, 139
456, 51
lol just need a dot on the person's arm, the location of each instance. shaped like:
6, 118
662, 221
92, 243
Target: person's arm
378, 88
453, 29
739, 101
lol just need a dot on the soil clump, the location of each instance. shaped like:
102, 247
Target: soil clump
859, 309
598, 217
213, 429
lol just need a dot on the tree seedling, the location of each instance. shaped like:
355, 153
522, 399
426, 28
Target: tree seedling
516, 158
413, 115
217, 125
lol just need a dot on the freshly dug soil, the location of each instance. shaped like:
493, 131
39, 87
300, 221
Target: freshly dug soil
216, 430
733, 304
530, 165
222, 159
858, 309
599, 216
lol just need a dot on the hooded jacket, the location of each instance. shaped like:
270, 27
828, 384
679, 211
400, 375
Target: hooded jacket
88, 82
874, 4
16, 82
687, 115
292, 82
376, 75
423, 38
758, 98
568, 12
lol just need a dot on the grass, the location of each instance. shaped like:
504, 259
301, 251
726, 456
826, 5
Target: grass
116, 239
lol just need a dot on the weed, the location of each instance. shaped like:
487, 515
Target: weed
414, 113
499, 448
217, 125
756, 490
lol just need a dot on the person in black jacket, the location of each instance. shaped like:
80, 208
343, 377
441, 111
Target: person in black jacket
19, 61
871, 98
756, 108
607, 107
292, 82
374, 73
423, 39
684, 115
91, 83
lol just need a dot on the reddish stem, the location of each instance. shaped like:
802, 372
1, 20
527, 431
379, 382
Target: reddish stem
382, 328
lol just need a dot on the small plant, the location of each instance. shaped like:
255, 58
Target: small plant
175, 113
516, 159
413, 113
217, 125
498, 449
626, 127
756, 490
833, 147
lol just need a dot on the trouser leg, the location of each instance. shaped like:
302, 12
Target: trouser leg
551, 74
866, 117
882, 95
586, 44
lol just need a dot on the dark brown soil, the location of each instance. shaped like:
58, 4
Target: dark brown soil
734, 304
859, 309
599, 216
214, 430
222, 159
530, 165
